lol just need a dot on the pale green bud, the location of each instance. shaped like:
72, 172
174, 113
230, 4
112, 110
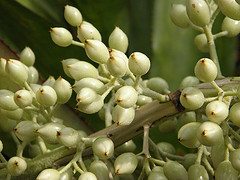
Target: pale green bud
23, 98
61, 36
201, 43
117, 66
118, 40
72, 15
92, 83
25, 130
123, 116
32, 75
179, 15
68, 137
7, 100
27, 56
48, 174
46, 96
15, 114
16, 166
158, 84
87, 176
103, 147
139, 63
67, 62
100, 170
87, 31
49, 82
86, 96
231, 26
126, 96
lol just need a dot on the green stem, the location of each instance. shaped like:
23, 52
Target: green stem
220, 34
157, 161
2, 158
199, 154
76, 43
208, 165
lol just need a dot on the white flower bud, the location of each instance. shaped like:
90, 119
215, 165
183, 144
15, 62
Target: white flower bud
72, 15
87, 31
209, 134
87, 176
125, 164
205, 70
82, 69
96, 51
35, 87
67, 62
16, 71
123, 116
23, 98
92, 83
7, 100
25, 130
201, 43
126, 96
48, 174
27, 56
217, 111
32, 75
118, 40
46, 96
139, 63
103, 147
2, 66
179, 15
48, 132
231, 26
86, 96
16, 166
61, 36
68, 137
198, 12
15, 114
192, 98
49, 82
63, 90
158, 84
117, 66
91, 108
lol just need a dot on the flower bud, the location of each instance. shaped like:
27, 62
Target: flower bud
128, 146
7, 100
16, 71
230, 8
217, 111
187, 135
82, 69
205, 70
1, 146
126, 96
68, 137
87, 31
32, 75
235, 159
179, 16
198, 12
46, 96
189, 81
192, 98
27, 56
48, 132
96, 51
49, 82
197, 171
142, 100
67, 62
63, 90
100, 170
16, 166
72, 15
201, 43
25, 130
116, 66
139, 63
48, 174
231, 26
234, 114
123, 116
118, 40
2, 66
225, 170
23, 98
125, 164
209, 133
87, 176
91, 83
91, 108
103, 147
15, 114
158, 84
61, 36
173, 169
86, 96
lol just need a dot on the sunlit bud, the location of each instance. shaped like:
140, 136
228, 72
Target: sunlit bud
27, 56
87, 31
139, 63
126, 96
103, 147
123, 116
179, 15
46, 96
25, 130
91, 108
32, 75
7, 100
61, 36
63, 90
16, 71
67, 62
15, 114
96, 51
118, 40
231, 26
48, 132
82, 69
92, 83
116, 66
158, 84
68, 137
86, 96
16, 166
72, 15
49, 82
48, 174
126, 163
